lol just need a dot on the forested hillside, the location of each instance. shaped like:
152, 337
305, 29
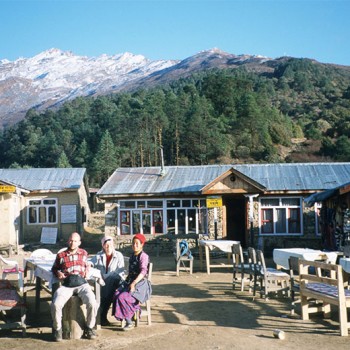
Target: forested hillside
300, 111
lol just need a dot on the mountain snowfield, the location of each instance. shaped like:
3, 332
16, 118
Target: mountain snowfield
54, 76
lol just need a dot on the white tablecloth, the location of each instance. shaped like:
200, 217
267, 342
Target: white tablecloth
43, 270
281, 256
345, 263
224, 246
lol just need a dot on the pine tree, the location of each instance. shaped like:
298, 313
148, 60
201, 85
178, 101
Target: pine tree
63, 161
105, 161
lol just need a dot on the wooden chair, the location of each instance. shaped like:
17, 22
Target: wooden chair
11, 267
183, 257
294, 282
328, 288
146, 307
252, 268
239, 267
270, 279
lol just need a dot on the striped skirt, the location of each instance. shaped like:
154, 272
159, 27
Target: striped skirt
124, 305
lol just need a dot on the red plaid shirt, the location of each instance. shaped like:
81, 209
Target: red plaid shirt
70, 264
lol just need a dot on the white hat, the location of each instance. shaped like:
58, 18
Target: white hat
106, 239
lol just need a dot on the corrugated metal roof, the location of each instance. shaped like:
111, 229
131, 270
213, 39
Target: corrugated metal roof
321, 196
297, 176
191, 179
44, 179
177, 179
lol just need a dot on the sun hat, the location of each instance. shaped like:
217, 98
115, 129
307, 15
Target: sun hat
106, 239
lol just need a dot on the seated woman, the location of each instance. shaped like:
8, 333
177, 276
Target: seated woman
136, 288
111, 264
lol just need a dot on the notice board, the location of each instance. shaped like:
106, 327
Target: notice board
48, 235
68, 214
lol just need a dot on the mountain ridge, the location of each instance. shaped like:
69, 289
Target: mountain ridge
52, 77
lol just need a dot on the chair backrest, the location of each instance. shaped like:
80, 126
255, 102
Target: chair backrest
182, 249
126, 263
251, 255
294, 265
41, 253
261, 260
293, 270
150, 270
237, 254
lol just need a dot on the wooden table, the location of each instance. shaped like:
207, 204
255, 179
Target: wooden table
208, 245
281, 256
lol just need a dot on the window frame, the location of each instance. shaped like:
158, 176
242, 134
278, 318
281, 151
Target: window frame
289, 220
185, 205
41, 208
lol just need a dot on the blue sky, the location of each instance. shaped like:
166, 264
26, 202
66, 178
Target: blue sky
176, 29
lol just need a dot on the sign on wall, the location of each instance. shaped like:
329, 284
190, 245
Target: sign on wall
68, 214
48, 235
214, 202
7, 189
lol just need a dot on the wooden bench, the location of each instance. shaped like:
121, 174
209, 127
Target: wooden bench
327, 286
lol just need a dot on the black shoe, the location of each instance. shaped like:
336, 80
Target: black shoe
105, 322
90, 334
58, 335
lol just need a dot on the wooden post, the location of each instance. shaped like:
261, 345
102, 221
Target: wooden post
73, 318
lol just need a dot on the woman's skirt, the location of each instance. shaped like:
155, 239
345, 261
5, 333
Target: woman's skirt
124, 305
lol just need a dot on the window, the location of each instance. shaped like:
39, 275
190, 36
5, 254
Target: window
146, 222
280, 216
186, 220
125, 222
158, 221
127, 204
154, 204
157, 216
173, 203
42, 211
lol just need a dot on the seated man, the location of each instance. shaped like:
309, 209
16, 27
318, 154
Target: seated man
111, 264
71, 267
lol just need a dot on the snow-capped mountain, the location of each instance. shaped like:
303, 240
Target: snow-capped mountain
54, 76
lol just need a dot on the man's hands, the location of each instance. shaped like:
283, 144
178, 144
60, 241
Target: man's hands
61, 275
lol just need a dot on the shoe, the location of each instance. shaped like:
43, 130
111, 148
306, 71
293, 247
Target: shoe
105, 323
58, 335
90, 333
128, 327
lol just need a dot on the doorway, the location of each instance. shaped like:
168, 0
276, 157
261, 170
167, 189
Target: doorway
236, 219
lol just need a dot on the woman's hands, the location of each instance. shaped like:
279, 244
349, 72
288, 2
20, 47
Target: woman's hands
132, 287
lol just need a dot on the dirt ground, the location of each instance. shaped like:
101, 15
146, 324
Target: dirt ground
197, 311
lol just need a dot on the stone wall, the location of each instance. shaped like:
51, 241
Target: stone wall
111, 218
